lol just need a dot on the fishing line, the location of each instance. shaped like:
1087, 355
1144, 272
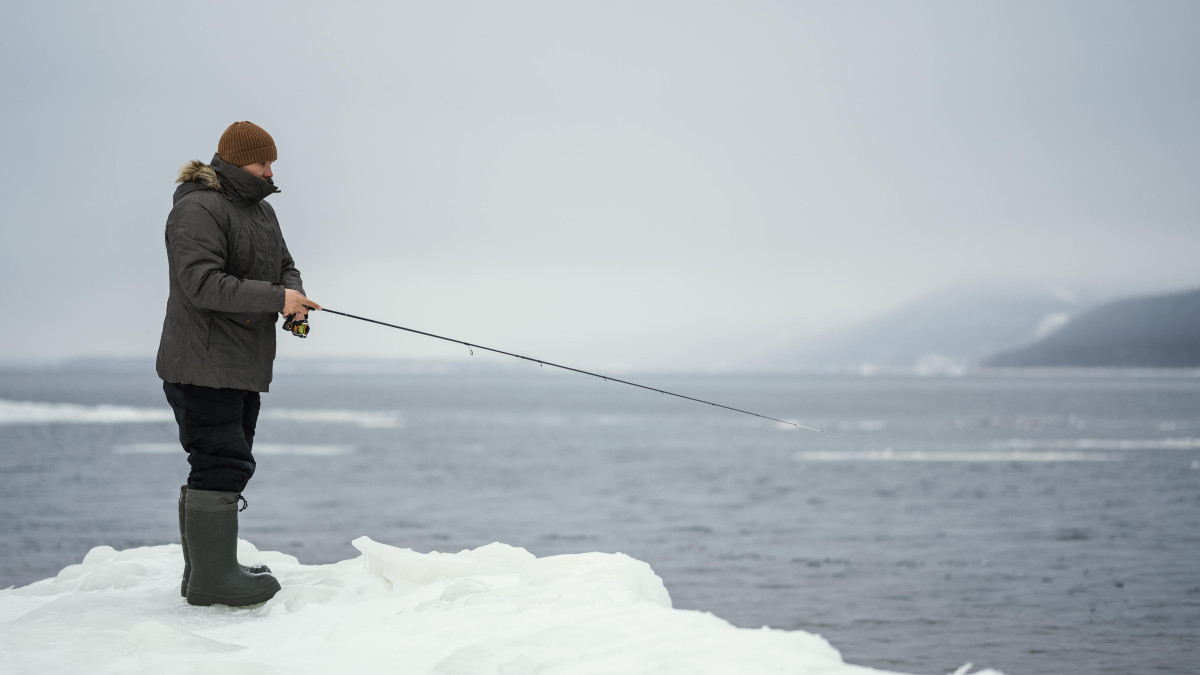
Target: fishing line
540, 362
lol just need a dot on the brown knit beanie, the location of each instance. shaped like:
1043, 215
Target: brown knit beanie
246, 143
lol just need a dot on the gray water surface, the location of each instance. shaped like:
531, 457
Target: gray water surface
1031, 524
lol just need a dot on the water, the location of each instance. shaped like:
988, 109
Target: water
1032, 524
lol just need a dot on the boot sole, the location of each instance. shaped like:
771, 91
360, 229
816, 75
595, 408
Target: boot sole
206, 599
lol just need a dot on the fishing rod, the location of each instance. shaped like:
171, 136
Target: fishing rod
299, 327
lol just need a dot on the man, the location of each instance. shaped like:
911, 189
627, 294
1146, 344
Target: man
231, 276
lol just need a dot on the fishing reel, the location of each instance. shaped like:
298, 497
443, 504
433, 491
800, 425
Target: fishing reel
298, 327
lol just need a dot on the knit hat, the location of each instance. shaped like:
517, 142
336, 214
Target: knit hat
246, 143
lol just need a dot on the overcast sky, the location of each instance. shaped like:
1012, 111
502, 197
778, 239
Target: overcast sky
605, 184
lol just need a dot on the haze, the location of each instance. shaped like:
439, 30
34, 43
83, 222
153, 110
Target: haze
617, 184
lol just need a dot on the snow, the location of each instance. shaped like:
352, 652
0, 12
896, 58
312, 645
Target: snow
1050, 323
37, 412
297, 449
1128, 444
890, 455
33, 412
494, 609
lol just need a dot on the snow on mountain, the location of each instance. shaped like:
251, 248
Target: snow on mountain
1156, 331
946, 330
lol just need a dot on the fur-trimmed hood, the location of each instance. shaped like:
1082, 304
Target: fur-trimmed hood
199, 172
226, 179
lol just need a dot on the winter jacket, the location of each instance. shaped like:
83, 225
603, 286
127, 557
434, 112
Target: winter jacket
229, 267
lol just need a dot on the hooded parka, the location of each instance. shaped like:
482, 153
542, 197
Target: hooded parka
228, 267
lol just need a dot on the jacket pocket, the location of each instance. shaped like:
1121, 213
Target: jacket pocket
231, 343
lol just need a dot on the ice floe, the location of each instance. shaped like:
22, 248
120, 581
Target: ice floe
494, 609
37, 412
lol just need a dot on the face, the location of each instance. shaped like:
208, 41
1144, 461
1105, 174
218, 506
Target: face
259, 169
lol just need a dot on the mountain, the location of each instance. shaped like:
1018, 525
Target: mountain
951, 328
1159, 331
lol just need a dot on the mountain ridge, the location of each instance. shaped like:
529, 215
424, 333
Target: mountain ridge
1150, 331
954, 327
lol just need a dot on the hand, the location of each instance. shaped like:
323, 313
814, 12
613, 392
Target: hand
294, 303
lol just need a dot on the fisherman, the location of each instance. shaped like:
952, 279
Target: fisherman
231, 276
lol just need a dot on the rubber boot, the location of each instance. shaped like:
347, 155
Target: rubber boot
216, 578
187, 562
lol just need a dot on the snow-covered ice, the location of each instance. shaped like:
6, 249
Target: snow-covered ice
494, 609
38, 412
890, 455
302, 449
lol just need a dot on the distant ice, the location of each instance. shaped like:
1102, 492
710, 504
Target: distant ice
1099, 443
1043, 450
35, 412
930, 365
31, 412
888, 455
862, 425
300, 449
492, 610
367, 419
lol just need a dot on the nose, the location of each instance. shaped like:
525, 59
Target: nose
268, 173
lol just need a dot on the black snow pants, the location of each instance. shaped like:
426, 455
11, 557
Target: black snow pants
216, 427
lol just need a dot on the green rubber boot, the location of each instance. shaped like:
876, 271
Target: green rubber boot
187, 562
216, 578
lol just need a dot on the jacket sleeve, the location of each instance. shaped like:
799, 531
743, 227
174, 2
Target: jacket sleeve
288, 274
198, 248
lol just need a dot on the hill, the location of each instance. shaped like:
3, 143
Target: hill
1159, 331
953, 327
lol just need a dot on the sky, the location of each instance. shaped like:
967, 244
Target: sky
603, 184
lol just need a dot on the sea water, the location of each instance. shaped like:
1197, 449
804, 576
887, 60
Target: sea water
1029, 523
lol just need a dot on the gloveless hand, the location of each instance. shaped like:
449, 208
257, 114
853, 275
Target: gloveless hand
295, 303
